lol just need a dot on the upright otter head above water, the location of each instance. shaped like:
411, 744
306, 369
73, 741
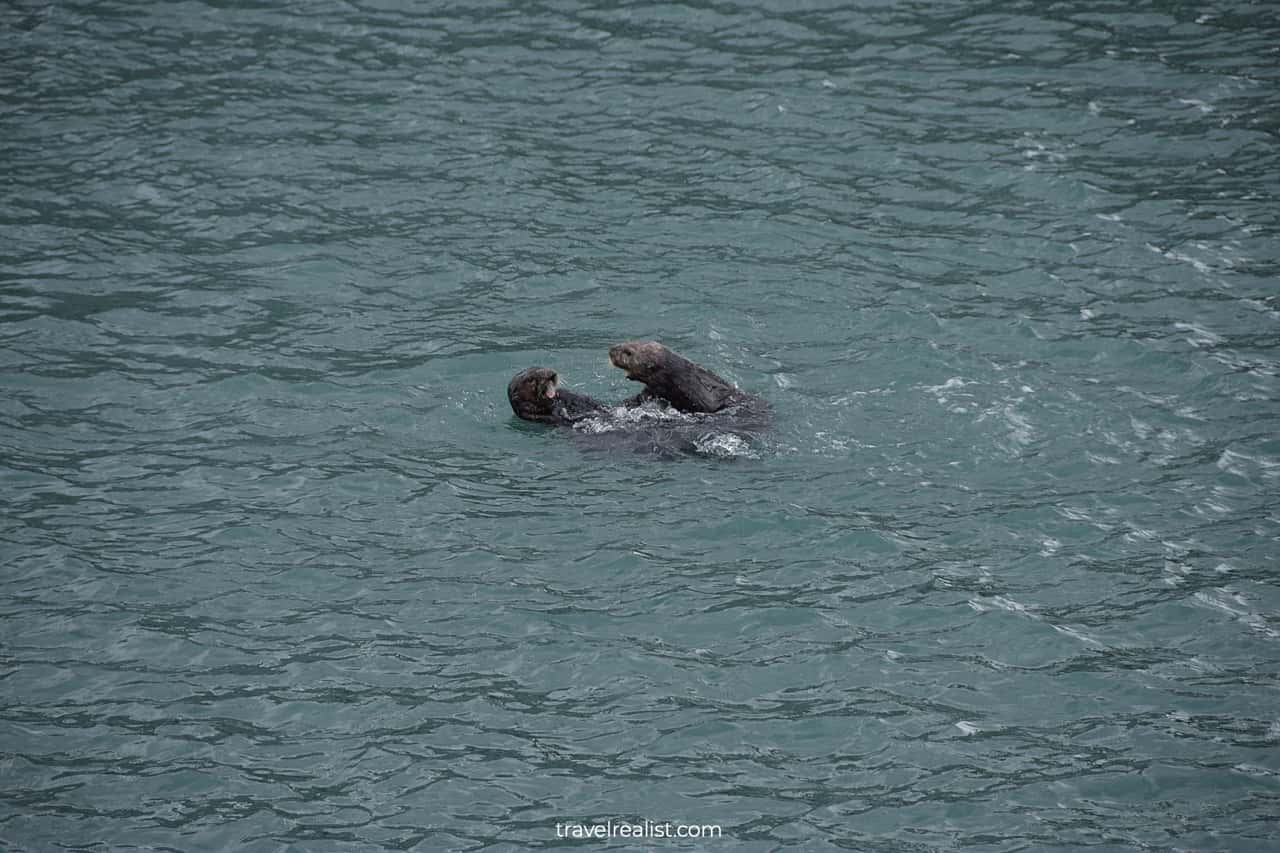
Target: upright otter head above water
687, 386
640, 359
535, 395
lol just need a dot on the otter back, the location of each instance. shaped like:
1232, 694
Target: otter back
687, 386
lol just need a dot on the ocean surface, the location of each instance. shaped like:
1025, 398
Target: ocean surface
281, 571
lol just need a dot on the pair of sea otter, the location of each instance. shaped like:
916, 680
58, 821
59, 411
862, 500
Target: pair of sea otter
669, 379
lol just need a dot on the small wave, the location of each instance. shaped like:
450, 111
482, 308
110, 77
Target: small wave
723, 445
622, 418
651, 412
1236, 605
668, 428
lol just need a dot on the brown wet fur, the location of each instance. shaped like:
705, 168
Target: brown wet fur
535, 394
671, 377
639, 358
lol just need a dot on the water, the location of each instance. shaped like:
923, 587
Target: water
281, 572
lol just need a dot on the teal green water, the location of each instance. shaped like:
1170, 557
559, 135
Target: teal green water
282, 572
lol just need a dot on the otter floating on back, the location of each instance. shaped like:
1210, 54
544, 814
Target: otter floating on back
535, 395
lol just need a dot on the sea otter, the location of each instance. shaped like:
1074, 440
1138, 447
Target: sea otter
535, 395
674, 379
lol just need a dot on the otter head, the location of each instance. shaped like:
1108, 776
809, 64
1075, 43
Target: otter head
532, 393
640, 359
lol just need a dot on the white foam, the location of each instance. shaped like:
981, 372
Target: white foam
1254, 770
723, 445
1202, 335
1174, 255
1236, 605
1020, 432
1012, 606
1079, 635
953, 382
1196, 102
620, 417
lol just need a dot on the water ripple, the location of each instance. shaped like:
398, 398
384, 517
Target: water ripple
282, 571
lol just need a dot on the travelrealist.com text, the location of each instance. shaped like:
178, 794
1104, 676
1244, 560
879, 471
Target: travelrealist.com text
644, 829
